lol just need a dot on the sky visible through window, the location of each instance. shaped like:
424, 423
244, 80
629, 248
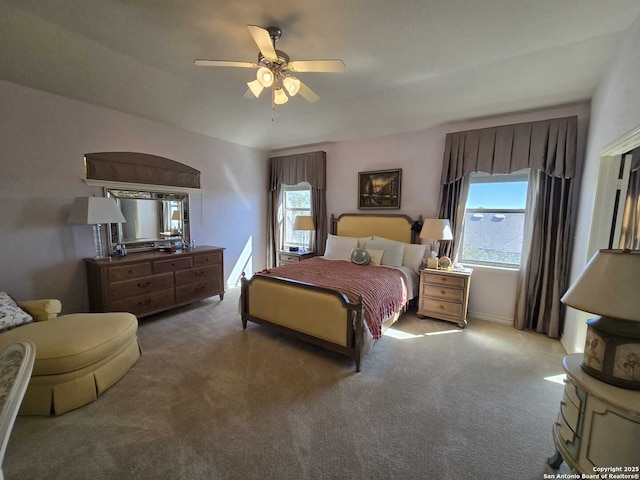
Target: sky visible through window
497, 195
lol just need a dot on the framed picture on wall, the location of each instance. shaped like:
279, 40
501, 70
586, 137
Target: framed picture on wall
379, 189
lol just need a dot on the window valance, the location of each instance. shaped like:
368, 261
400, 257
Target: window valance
133, 167
293, 169
548, 145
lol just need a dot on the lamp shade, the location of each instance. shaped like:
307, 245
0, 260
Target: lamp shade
94, 211
608, 285
436, 229
304, 222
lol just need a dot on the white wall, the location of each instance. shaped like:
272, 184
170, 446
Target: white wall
43, 139
615, 111
419, 154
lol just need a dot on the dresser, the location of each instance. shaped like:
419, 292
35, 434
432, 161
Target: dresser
598, 424
444, 294
285, 256
149, 282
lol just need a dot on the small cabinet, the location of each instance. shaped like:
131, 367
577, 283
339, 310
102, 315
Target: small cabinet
444, 294
150, 282
598, 424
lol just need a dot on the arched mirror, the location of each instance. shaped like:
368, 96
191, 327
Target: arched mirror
154, 219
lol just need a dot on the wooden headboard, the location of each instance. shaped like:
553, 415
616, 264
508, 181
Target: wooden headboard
392, 226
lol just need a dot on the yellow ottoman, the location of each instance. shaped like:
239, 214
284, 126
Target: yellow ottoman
78, 357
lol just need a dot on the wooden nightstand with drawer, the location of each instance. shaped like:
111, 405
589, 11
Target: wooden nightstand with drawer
444, 294
284, 256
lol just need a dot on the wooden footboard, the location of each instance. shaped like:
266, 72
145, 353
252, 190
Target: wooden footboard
319, 315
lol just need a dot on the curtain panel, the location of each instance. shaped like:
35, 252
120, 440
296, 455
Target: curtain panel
291, 170
548, 149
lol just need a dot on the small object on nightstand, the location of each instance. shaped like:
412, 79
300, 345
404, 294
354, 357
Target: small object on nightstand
444, 263
432, 262
294, 249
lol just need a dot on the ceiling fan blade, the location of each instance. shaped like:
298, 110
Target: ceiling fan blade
317, 66
224, 63
308, 94
263, 40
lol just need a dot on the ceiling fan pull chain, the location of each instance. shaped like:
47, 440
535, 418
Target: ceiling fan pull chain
273, 104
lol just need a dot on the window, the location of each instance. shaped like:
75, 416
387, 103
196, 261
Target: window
296, 201
494, 219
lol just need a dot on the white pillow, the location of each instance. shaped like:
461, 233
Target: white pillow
362, 242
393, 251
413, 255
11, 315
339, 248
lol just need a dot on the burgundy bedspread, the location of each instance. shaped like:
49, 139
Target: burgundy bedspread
383, 289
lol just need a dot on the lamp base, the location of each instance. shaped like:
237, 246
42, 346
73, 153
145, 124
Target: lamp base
612, 351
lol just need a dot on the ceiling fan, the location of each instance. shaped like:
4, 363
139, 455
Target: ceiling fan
275, 68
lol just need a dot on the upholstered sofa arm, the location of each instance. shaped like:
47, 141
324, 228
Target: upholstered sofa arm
42, 310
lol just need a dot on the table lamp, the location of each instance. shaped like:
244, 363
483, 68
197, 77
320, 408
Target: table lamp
95, 211
608, 286
305, 223
436, 229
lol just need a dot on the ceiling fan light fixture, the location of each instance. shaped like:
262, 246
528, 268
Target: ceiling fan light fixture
255, 88
292, 85
265, 77
279, 97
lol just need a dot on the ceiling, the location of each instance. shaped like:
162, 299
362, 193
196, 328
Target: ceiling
411, 64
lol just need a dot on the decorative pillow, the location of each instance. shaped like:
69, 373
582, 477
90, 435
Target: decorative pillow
393, 252
339, 248
360, 256
11, 315
413, 255
376, 256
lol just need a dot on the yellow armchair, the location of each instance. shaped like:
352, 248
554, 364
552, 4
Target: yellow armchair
78, 356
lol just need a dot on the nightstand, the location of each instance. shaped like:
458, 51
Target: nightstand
598, 424
444, 294
285, 256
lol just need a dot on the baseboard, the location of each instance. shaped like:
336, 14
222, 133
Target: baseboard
491, 318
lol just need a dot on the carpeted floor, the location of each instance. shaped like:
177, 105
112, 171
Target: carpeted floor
208, 400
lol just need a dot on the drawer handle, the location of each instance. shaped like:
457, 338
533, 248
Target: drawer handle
144, 302
144, 285
130, 271
441, 307
199, 274
442, 292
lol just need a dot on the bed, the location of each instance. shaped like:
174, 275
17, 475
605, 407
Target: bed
300, 300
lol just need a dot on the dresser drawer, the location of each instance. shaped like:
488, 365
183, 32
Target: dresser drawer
444, 293
185, 277
145, 303
441, 308
570, 440
129, 271
574, 394
570, 413
160, 266
196, 290
448, 281
139, 286
211, 258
